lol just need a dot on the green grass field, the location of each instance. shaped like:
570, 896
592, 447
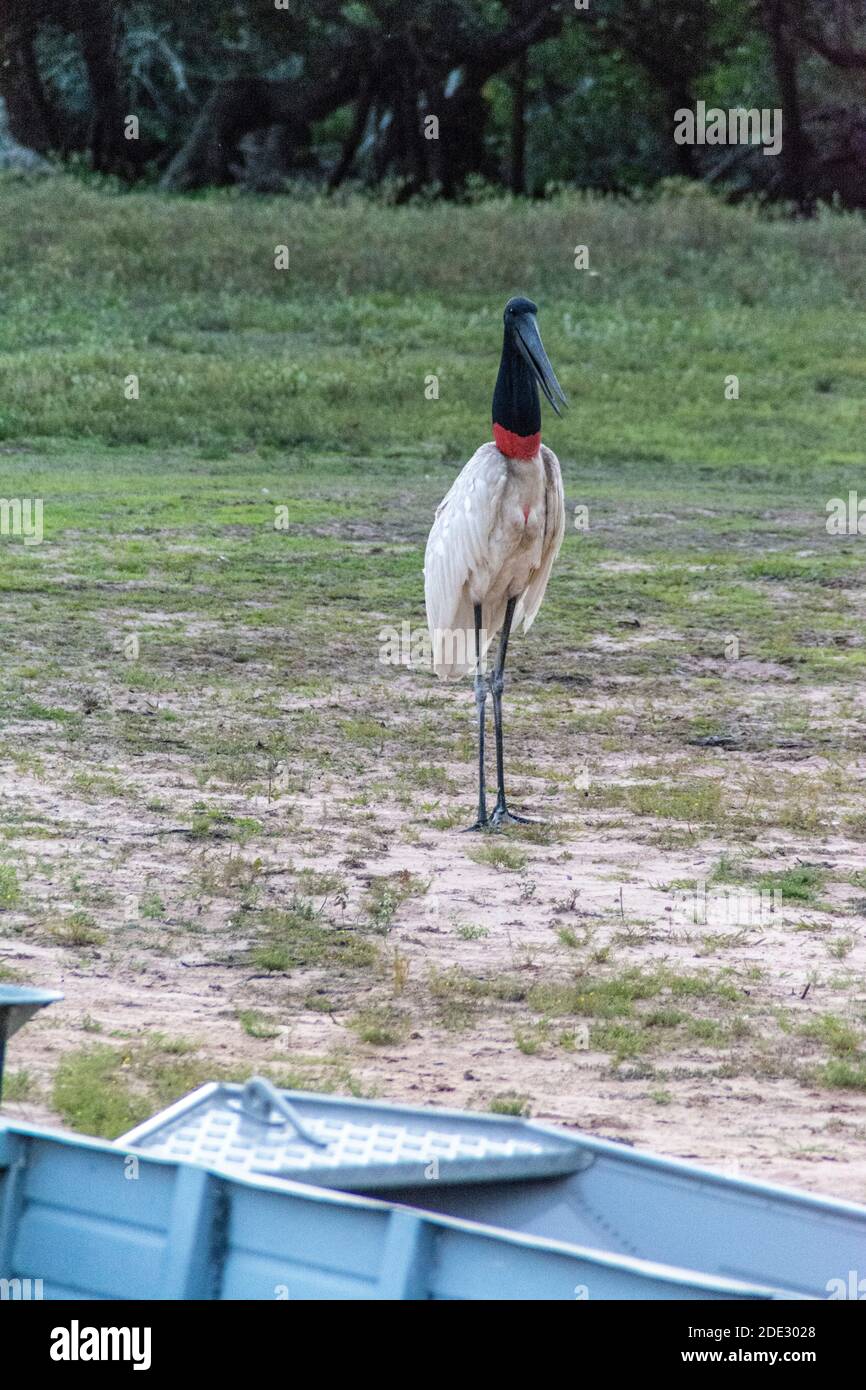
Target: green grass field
229, 831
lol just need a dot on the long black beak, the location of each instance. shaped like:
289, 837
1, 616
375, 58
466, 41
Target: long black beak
531, 348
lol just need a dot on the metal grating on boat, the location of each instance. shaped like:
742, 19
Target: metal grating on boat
356, 1145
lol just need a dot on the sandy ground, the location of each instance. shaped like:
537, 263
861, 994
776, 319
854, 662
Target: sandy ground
747, 1107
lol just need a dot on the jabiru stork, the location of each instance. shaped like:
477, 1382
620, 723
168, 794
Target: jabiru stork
496, 535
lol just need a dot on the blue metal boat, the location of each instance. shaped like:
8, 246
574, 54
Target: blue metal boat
521, 1177
80, 1220
253, 1193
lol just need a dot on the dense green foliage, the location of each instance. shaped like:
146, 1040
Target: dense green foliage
528, 93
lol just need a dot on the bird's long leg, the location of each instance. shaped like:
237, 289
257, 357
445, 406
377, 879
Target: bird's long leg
481, 705
501, 814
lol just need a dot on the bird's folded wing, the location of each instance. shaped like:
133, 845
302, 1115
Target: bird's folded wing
554, 530
459, 542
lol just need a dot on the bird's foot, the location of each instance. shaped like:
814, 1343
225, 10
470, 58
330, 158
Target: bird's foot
502, 816
482, 823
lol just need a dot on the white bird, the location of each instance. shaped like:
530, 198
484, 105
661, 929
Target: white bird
496, 535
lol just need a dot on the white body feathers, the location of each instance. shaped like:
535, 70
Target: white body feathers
495, 537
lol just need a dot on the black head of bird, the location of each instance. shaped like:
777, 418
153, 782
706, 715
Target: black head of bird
524, 368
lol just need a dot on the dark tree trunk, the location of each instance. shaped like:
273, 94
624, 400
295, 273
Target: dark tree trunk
678, 99
95, 22
796, 151
413, 156
518, 126
31, 120
461, 137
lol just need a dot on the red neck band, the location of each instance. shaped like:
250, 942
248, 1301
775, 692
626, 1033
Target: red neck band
516, 446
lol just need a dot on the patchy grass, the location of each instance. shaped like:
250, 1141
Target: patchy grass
386, 893
834, 1033
104, 1089
92, 1094
19, 1086
78, 928
299, 936
10, 889
380, 1024
842, 1074
500, 856
509, 1104
256, 1024
616, 995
